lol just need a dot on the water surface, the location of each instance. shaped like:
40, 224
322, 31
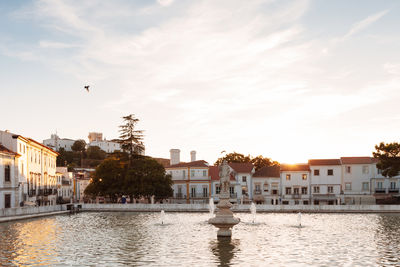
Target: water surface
141, 239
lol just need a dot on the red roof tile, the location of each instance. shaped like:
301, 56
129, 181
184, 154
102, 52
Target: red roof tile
241, 167
295, 167
320, 162
214, 173
197, 163
268, 171
358, 160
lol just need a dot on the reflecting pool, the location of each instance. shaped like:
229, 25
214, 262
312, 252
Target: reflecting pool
140, 239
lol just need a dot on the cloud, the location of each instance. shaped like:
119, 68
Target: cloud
165, 2
391, 68
361, 25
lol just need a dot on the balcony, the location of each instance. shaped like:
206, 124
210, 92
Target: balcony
393, 190
233, 195
380, 190
180, 196
199, 195
295, 196
257, 192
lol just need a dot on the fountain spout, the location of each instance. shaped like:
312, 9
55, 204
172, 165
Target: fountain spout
253, 211
211, 207
224, 219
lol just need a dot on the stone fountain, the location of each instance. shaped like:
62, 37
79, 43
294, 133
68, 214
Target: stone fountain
224, 219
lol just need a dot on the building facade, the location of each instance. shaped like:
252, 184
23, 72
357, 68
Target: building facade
9, 181
266, 185
55, 143
295, 184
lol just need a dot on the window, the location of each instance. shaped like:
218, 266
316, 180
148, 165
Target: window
330, 189
365, 186
379, 171
258, 188
296, 190
7, 176
275, 192
365, 169
304, 176
265, 187
204, 173
379, 185
316, 189
193, 192
288, 177
7, 201
296, 202
244, 179
192, 173
348, 169
392, 185
205, 191
183, 174
330, 171
305, 202
347, 186
316, 172
217, 189
304, 190
288, 190
231, 190
316, 202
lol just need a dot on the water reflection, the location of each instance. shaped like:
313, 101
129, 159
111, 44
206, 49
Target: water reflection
224, 249
387, 238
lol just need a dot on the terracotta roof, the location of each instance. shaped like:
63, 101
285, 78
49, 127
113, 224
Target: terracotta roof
268, 171
320, 162
197, 163
5, 150
295, 167
241, 167
358, 160
213, 171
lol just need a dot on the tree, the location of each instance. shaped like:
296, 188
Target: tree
131, 140
108, 179
146, 177
79, 146
233, 157
95, 152
258, 162
389, 158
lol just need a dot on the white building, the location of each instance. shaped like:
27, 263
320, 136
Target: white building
36, 168
55, 143
295, 184
243, 187
107, 146
9, 182
266, 184
326, 181
357, 173
191, 180
64, 185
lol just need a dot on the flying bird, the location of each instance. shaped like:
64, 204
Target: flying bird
87, 88
223, 151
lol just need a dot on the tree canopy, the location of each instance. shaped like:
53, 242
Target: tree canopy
258, 161
79, 146
131, 140
144, 177
389, 158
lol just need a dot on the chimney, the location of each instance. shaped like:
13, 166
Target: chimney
175, 156
192, 155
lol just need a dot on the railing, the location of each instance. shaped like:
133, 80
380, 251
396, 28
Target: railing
393, 190
257, 192
180, 195
199, 195
380, 190
233, 195
296, 195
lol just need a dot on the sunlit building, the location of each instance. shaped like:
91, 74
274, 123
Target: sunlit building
9, 183
266, 185
55, 143
295, 184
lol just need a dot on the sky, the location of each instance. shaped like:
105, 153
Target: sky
288, 80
